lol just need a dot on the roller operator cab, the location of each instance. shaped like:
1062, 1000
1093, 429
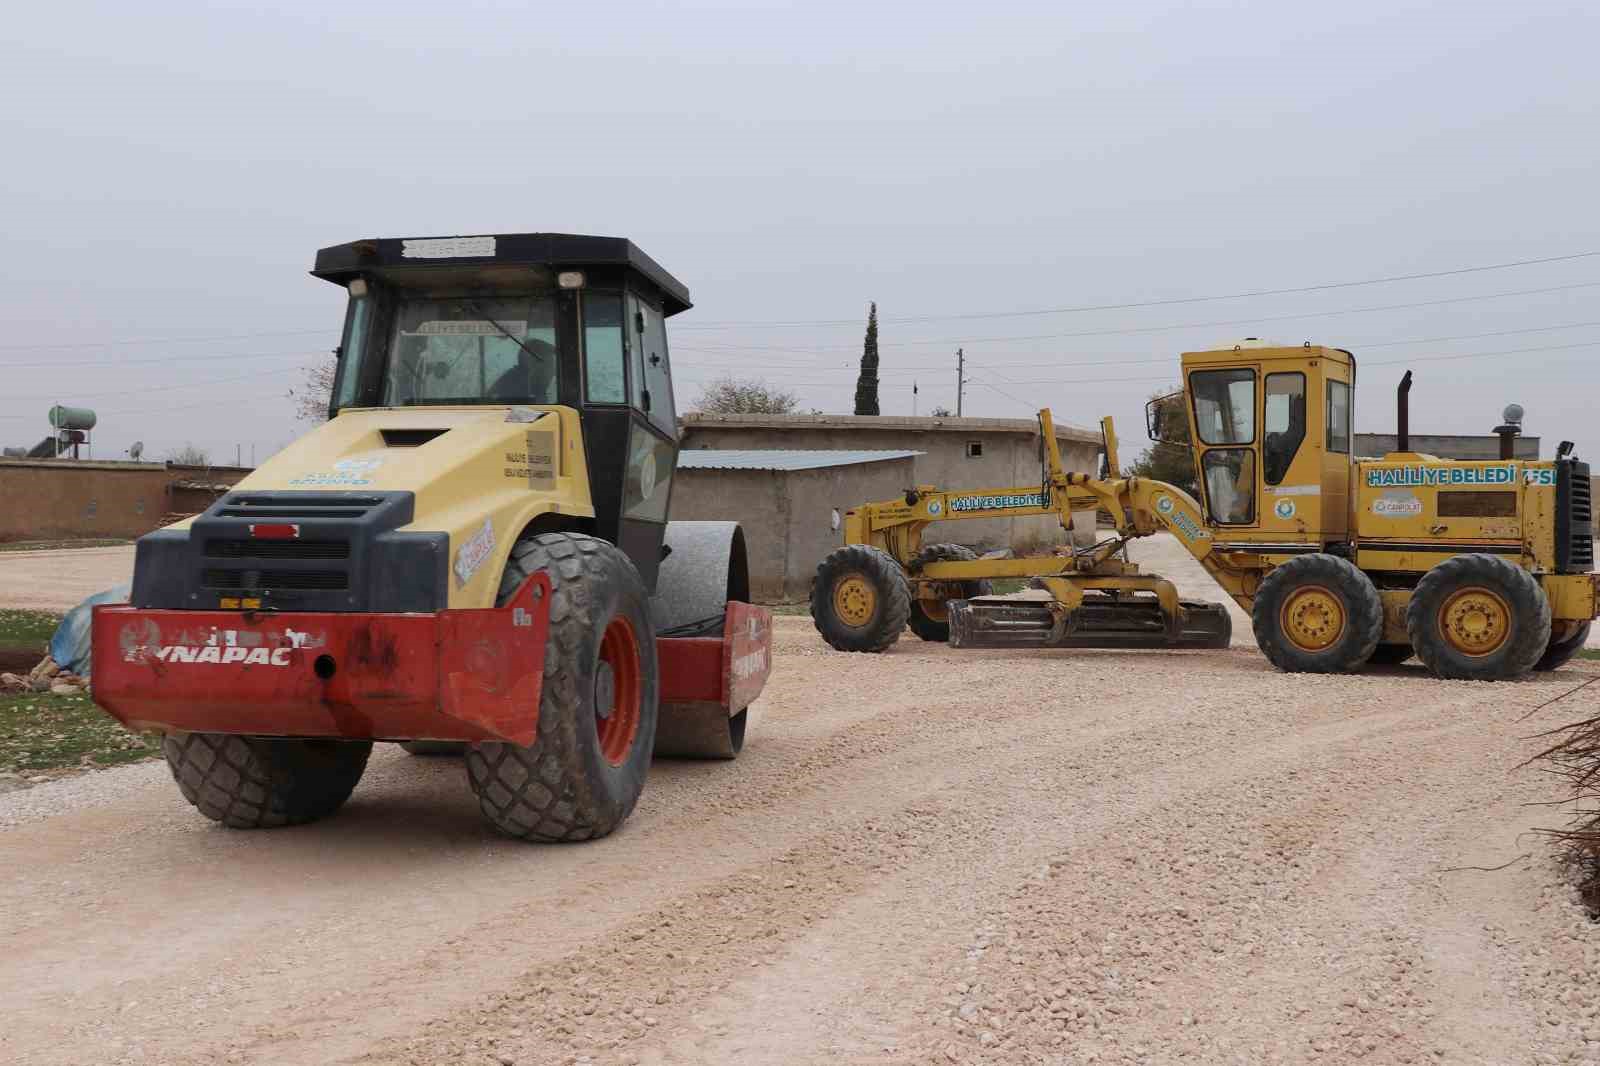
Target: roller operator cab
1480, 568
473, 552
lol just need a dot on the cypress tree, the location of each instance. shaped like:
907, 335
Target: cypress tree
867, 383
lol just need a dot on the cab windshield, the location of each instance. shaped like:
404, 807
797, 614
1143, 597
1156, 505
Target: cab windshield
465, 350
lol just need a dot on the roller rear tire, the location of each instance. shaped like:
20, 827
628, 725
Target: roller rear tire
599, 705
264, 782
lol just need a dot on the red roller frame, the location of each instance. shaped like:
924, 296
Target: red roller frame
458, 675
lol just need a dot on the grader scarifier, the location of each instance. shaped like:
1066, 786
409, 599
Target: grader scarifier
1482, 569
473, 555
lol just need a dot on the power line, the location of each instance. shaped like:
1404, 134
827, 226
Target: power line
218, 357
1128, 305
163, 340
1127, 331
75, 394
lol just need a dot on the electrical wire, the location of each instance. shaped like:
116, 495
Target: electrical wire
1128, 305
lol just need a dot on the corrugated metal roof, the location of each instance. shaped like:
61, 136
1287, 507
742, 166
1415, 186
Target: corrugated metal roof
780, 458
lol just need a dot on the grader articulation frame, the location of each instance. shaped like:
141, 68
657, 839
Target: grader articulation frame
1480, 569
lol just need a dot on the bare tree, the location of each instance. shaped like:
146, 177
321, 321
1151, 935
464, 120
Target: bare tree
314, 392
188, 455
941, 412
732, 396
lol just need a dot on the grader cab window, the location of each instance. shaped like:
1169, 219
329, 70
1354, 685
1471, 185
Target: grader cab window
1283, 423
1224, 405
1231, 485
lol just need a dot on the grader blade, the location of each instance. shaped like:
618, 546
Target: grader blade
1002, 622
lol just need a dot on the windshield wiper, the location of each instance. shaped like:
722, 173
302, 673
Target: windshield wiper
473, 306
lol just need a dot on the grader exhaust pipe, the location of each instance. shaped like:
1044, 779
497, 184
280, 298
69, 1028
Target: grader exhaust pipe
1403, 414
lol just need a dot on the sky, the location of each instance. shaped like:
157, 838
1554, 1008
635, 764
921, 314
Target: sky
993, 176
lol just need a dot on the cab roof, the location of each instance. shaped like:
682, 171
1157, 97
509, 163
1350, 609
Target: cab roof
1251, 349
444, 257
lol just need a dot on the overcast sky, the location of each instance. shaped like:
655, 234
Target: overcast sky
170, 169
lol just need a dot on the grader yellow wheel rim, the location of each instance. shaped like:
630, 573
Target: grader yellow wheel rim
1312, 618
1475, 621
855, 600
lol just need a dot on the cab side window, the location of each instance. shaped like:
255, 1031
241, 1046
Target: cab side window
1284, 423
1339, 417
648, 341
603, 357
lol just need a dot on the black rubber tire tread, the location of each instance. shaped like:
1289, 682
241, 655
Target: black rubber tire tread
441, 748
1362, 607
894, 599
1390, 654
1559, 652
931, 628
1530, 611
264, 782
561, 788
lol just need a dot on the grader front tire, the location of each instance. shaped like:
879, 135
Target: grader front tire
930, 619
1317, 614
860, 599
1479, 617
585, 770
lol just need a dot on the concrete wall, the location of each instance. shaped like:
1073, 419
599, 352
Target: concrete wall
1444, 445
1010, 458
64, 499
787, 515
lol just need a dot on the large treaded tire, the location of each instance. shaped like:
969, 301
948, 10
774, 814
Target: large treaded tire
1530, 621
264, 782
1529, 607
1357, 598
563, 787
1559, 652
892, 592
938, 629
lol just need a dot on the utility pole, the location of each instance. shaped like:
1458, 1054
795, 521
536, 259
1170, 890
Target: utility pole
913, 397
961, 378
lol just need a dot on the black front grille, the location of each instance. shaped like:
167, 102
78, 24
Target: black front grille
274, 580
277, 549
1574, 518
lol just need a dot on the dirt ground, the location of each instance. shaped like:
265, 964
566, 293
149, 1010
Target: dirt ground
925, 856
58, 580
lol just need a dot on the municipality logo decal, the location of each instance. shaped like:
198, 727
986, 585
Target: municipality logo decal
934, 507
1164, 504
1284, 509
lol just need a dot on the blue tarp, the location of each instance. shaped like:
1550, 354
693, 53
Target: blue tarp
70, 646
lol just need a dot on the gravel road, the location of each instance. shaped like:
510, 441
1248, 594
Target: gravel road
923, 857
58, 580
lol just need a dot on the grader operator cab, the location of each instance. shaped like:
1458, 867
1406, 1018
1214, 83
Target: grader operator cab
1481, 569
473, 551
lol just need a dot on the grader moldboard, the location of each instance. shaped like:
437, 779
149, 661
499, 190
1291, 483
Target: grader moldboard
473, 552
1480, 569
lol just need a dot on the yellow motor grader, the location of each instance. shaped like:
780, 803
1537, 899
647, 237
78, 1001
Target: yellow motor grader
1481, 569
473, 553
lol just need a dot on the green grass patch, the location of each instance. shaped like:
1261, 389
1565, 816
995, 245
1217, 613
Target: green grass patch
40, 731
1589, 653
27, 629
